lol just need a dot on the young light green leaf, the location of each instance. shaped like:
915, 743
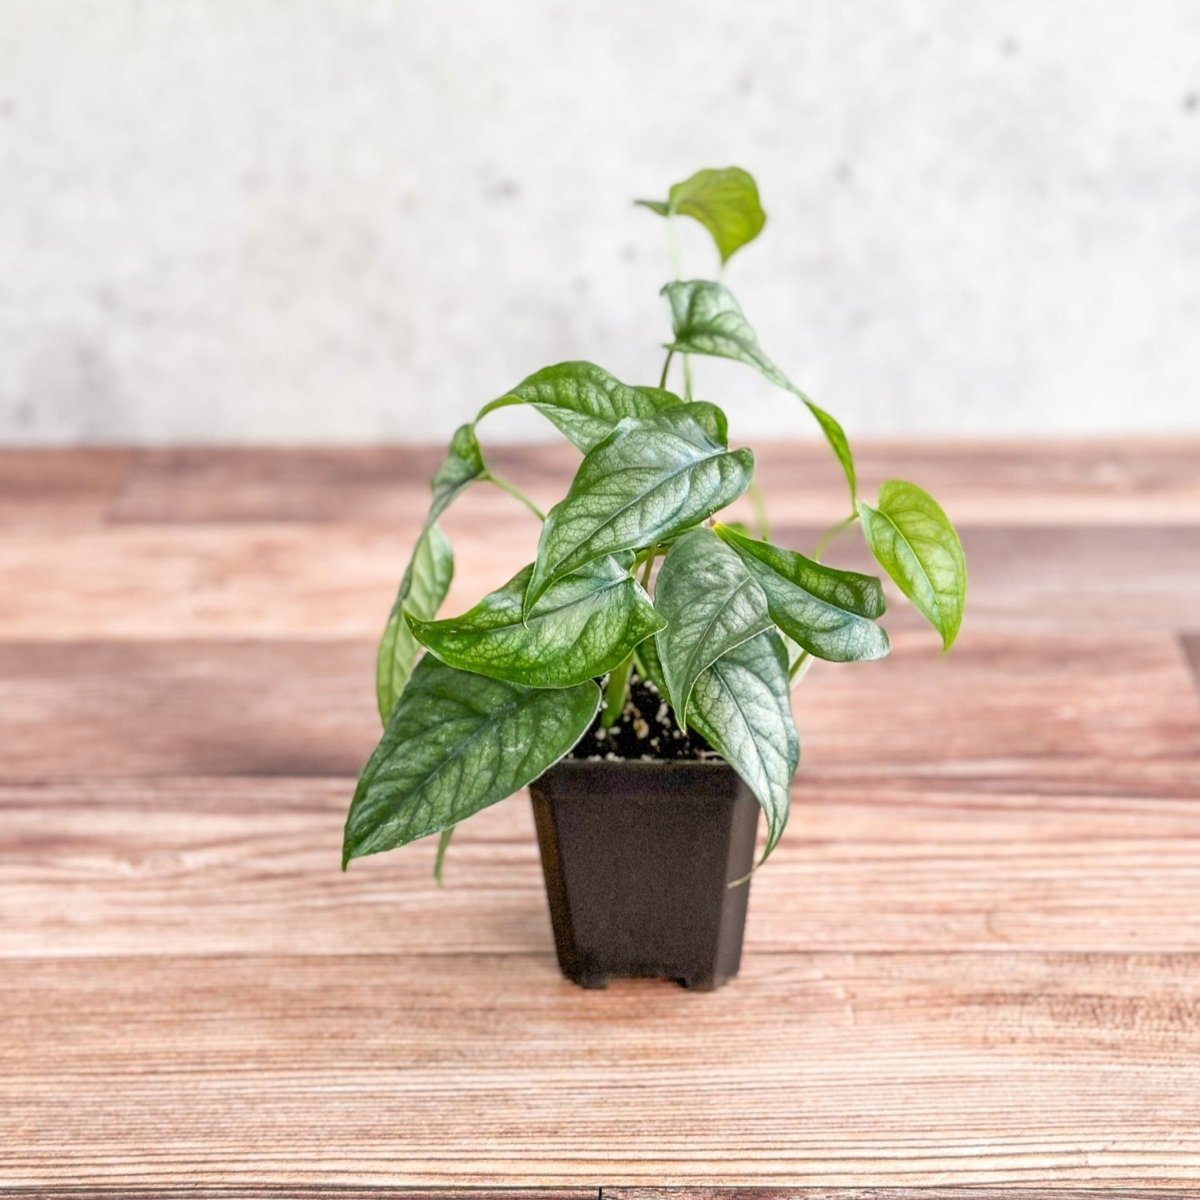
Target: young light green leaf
741, 705
457, 743
706, 319
583, 401
583, 626
827, 612
724, 201
645, 482
711, 604
913, 541
422, 590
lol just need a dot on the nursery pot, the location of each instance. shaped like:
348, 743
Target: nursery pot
638, 857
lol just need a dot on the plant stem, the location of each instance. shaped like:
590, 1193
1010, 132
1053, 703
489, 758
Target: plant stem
614, 693
516, 493
759, 504
662, 382
831, 533
800, 667
687, 379
618, 680
647, 566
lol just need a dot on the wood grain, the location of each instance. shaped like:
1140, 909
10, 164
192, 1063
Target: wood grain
836, 1069
248, 866
1100, 482
973, 964
306, 707
289, 579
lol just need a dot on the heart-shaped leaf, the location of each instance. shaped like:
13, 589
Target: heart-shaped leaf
706, 319
741, 704
711, 604
422, 591
645, 482
724, 201
828, 612
583, 401
584, 625
913, 541
455, 743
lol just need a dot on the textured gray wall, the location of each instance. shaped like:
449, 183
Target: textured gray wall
289, 220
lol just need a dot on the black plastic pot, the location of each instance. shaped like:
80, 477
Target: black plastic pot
638, 857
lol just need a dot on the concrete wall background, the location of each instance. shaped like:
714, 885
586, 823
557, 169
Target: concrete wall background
303, 220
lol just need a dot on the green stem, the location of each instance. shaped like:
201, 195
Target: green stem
831, 533
800, 667
516, 493
614, 693
759, 504
687, 378
618, 680
662, 382
648, 566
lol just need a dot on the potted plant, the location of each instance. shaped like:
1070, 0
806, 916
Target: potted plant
637, 673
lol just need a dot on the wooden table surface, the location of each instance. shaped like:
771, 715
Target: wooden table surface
974, 960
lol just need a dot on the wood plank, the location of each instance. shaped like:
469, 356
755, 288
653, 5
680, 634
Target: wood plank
1191, 648
383, 485
837, 1070
1054, 577
307, 707
271, 1191
292, 580
888, 1193
210, 708
250, 866
72, 488
997, 481
260, 581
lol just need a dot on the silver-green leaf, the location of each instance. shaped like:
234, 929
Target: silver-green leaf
422, 590
711, 604
913, 540
706, 319
830, 613
741, 704
645, 482
724, 201
456, 743
583, 401
584, 625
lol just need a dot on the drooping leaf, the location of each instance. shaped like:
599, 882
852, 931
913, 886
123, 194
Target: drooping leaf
711, 604
913, 540
583, 401
724, 201
457, 743
741, 704
584, 625
706, 319
428, 571
462, 465
826, 611
646, 481
422, 590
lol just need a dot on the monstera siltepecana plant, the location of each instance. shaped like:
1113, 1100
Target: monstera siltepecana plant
637, 673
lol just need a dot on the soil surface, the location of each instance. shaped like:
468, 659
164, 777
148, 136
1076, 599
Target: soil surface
646, 729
